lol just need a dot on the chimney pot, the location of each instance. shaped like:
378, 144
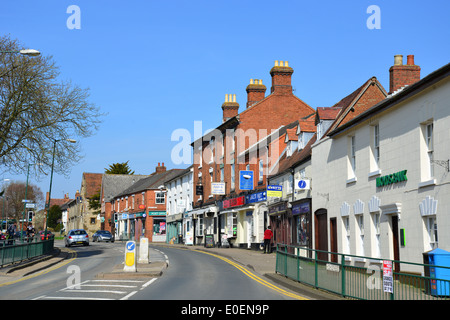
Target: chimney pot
398, 60
401, 75
276, 63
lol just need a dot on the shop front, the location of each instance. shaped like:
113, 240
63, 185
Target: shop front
155, 226
301, 223
175, 228
280, 222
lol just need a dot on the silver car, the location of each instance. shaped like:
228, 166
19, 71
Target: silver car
102, 235
76, 236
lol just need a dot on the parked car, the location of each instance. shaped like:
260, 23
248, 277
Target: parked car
76, 236
50, 235
102, 235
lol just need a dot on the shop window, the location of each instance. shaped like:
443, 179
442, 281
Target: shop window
199, 230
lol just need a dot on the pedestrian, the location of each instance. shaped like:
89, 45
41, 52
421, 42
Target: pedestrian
11, 231
268, 234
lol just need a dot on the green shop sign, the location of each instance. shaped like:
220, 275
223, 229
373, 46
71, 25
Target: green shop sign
392, 178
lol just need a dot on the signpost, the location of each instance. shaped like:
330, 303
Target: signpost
130, 257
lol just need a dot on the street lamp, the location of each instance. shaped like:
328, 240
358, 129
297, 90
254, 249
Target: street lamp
25, 52
51, 178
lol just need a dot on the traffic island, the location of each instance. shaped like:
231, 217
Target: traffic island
143, 270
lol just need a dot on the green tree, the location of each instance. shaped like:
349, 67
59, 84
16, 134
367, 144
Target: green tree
94, 203
119, 168
54, 216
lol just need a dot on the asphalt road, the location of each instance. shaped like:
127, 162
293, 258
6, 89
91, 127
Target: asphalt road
198, 276
191, 275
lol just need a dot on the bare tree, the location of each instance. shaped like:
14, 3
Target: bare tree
15, 193
36, 109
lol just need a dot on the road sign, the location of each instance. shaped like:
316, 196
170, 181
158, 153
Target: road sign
130, 257
26, 200
302, 184
30, 205
245, 180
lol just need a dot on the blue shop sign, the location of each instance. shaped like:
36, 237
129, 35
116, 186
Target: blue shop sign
256, 197
300, 208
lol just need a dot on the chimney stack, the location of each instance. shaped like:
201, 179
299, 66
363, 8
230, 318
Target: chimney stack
401, 75
160, 168
256, 91
230, 107
281, 78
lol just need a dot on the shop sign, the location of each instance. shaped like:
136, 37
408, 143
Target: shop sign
392, 178
257, 197
218, 188
274, 191
300, 208
239, 201
387, 276
245, 180
156, 213
141, 206
279, 208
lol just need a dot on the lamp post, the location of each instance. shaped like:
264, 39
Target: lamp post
24, 52
51, 178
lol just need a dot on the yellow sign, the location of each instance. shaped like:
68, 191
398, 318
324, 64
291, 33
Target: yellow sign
129, 259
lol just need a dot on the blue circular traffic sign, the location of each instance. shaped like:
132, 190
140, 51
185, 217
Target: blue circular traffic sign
302, 184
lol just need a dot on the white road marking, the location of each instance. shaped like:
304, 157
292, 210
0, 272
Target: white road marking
128, 295
148, 283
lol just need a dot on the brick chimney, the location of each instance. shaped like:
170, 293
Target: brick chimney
281, 78
256, 91
401, 75
230, 107
160, 168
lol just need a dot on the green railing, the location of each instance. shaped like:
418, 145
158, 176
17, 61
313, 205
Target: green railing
359, 277
18, 252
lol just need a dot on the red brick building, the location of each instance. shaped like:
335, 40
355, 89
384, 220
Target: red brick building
239, 144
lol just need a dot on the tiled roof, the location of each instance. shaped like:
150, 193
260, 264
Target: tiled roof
151, 182
113, 184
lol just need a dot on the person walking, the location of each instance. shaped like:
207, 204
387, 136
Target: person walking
268, 234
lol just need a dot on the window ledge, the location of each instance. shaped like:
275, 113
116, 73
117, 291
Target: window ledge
374, 173
427, 183
351, 180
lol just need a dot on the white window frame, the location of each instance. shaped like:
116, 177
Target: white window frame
429, 129
157, 196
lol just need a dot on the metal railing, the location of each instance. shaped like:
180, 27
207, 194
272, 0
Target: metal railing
18, 251
359, 277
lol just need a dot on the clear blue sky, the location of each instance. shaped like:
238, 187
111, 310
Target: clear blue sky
157, 66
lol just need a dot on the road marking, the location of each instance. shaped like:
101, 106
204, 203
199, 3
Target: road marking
145, 285
96, 291
255, 277
128, 295
71, 298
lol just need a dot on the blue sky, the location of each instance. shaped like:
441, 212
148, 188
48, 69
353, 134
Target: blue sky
157, 66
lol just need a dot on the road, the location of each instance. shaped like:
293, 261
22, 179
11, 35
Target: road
191, 275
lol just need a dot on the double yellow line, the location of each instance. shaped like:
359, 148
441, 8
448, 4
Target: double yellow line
256, 278
58, 265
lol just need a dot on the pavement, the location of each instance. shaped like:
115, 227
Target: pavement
255, 261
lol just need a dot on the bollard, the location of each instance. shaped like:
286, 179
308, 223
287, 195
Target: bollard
130, 257
143, 251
